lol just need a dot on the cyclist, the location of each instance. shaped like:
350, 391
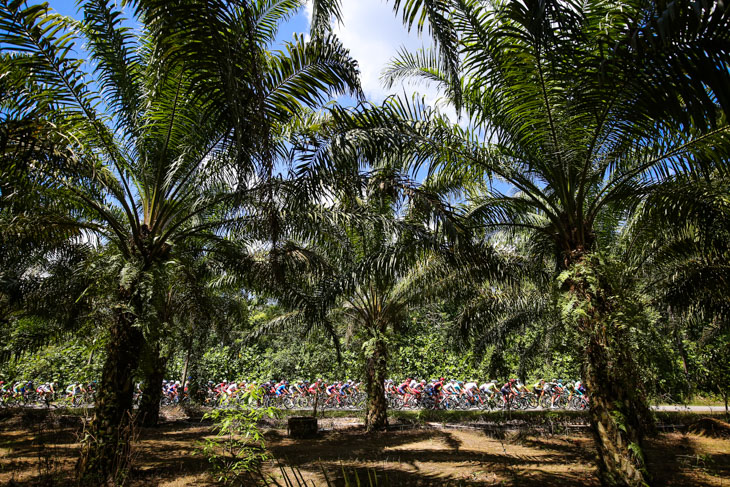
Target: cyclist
175, 391
389, 387
438, 386
73, 390
298, 388
314, 388
332, 392
470, 388
332, 388
489, 389
418, 388
46, 392
508, 391
281, 388
403, 388
230, 390
556, 389
450, 388
539, 388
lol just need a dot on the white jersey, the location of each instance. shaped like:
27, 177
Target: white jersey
470, 385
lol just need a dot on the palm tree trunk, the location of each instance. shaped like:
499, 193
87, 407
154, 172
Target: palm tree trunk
153, 369
618, 420
619, 413
104, 452
184, 377
376, 417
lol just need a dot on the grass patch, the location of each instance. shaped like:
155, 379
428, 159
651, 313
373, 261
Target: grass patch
535, 418
684, 418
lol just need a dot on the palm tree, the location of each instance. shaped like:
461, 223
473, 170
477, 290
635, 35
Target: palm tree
360, 276
367, 269
679, 241
510, 316
581, 110
171, 139
196, 299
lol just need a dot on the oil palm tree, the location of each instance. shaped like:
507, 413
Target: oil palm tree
580, 110
170, 139
678, 240
367, 270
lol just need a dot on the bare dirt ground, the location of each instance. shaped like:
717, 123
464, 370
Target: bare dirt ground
43, 451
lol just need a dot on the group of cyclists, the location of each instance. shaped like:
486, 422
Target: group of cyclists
409, 393
282, 393
22, 393
454, 394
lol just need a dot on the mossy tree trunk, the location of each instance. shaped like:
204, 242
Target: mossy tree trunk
153, 372
619, 417
376, 415
105, 449
619, 413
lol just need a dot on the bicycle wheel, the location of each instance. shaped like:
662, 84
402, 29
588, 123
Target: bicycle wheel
561, 402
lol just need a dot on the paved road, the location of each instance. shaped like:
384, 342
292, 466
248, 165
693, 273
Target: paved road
693, 409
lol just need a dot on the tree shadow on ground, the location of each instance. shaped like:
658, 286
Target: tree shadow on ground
418, 457
677, 459
456, 463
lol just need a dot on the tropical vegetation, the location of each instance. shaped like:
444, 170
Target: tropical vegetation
191, 198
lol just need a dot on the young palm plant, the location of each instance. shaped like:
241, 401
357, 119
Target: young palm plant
170, 139
581, 110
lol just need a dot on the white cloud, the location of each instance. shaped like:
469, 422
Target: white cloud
374, 34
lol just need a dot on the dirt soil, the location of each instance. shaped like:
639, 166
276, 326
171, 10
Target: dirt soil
37, 450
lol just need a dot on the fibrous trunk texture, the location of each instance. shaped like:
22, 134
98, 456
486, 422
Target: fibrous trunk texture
107, 444
618, 421
377, 410
153, 371
604, 310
